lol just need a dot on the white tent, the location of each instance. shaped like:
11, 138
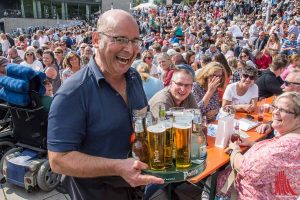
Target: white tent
145, 6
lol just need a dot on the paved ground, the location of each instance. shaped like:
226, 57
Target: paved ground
12, 192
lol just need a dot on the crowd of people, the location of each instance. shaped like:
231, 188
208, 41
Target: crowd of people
206, 55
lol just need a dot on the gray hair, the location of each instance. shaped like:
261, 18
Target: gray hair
294, 97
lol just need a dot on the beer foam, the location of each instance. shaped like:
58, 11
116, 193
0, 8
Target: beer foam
182, 125
156, 128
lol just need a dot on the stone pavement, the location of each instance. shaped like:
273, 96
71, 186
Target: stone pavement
13, 192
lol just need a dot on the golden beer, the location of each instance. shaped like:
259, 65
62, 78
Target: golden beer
182, 134
169, 139
156, 136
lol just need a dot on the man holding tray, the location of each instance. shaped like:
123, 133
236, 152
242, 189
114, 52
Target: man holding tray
90, 120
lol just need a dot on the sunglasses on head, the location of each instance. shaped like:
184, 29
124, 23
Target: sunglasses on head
248, 76
288, 83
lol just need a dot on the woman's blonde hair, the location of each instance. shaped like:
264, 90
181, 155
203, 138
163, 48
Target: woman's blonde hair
295, 57
146, 54
144, 70
208, 71
294, 97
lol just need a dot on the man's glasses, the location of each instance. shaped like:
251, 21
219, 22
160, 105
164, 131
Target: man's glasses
29, 54
182, 84
248, 76
288, 83
121, 40
282, 110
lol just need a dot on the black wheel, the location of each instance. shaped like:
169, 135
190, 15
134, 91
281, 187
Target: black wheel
46, 179
13, 150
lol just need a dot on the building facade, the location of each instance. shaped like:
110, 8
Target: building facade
62, 9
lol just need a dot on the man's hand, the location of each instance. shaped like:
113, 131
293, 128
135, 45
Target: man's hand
264, 128
130, 170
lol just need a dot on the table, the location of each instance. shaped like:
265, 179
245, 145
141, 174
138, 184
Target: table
217, 158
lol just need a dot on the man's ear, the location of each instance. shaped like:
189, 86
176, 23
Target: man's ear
95, 39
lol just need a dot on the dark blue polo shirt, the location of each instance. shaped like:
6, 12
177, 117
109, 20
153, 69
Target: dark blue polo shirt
89, 116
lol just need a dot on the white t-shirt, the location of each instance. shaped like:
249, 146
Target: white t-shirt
36, 65
230, 94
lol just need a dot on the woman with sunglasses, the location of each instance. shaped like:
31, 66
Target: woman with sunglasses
31, 61
242, 95
270, 168
205, 89
269, 83
147, 57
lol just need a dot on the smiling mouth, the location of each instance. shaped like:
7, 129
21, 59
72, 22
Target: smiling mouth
123, 60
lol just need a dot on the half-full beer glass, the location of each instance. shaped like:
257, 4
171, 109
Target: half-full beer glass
156, 136
182, 132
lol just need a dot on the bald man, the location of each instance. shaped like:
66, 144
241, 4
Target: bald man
90, 120
292, 82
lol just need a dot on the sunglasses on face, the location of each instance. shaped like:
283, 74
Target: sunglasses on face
149, 57
288, 83
248, 76
29, 54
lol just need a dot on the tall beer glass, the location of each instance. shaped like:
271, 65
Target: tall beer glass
182, 133
156, 136
169, 140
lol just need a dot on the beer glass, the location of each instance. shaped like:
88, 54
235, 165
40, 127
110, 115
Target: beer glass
182, 132
156, 136
169, 140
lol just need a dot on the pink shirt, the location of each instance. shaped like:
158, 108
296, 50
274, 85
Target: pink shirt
287, 71
270, 171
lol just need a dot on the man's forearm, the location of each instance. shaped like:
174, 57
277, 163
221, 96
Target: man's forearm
82, 165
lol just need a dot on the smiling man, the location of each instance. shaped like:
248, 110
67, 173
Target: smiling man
292, 82
178, 94
90, 120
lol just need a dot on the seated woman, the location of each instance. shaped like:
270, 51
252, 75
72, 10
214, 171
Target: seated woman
71, 65
147, 57
205, 89
151, 85
31, 61
270, 168
166, 65
242, 95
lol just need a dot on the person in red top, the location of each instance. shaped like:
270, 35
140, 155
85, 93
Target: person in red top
165, 62
262, 60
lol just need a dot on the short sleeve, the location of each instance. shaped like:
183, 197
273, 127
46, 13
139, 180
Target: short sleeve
228, 93
66, 129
